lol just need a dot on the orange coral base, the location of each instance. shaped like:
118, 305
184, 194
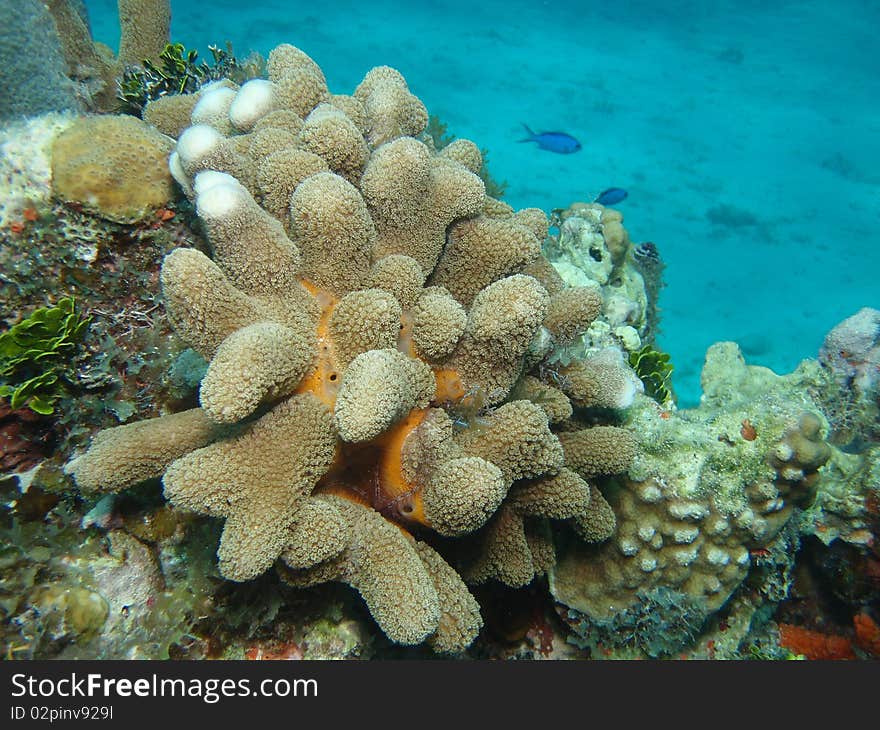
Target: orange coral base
867, 634
372, 474
323, 380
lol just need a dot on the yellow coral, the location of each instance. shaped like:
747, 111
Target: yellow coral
171, 114
284, 453
391, 110
113, 166
123, 456
481, 250
571, 311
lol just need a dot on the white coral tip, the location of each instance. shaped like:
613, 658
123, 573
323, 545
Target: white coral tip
212, 104
220, 201
196, 142
207, 179
178, 173
253, 101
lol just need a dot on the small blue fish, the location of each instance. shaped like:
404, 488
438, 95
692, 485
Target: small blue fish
612, 196
559, 142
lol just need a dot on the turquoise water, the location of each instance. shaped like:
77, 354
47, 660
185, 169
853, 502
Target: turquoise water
748, 135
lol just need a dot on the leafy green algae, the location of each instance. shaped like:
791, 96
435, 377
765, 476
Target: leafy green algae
34, 355
180, 72
654, 370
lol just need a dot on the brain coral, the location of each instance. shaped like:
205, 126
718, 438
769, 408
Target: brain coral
373, 411
114, 166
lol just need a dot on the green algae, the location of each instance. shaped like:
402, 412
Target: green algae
180, 72
35, 356
654, 370
122, 366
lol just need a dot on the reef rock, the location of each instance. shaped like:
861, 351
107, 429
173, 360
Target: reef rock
709, 490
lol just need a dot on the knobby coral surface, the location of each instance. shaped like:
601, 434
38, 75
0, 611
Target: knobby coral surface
376, 410
705, 505
112, 166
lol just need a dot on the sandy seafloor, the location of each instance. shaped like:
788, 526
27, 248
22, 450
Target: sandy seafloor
747, 133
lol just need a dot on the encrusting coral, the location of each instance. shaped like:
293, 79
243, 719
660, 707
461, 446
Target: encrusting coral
113, 167
706, 498
375, 395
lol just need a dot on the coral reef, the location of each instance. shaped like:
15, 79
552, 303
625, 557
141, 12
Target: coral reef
178, 72
592, 249
850, 491
53, 251
375, 402
704, 501
395, 382
851, 355
144, 26
65, 69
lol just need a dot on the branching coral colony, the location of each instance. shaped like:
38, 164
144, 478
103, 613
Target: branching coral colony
364, 294
386, 402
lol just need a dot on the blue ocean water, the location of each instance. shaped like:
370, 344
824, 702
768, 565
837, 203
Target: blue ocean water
747, 134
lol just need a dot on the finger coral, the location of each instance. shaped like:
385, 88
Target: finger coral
375, 409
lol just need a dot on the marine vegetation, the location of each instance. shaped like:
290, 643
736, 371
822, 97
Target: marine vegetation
654, 370
35, 354
179, 72
363, 285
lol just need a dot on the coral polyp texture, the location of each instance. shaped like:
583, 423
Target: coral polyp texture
377, 408
112, 166
707, 498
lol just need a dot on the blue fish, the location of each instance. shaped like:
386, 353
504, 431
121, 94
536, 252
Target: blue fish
612, 196
559, 142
